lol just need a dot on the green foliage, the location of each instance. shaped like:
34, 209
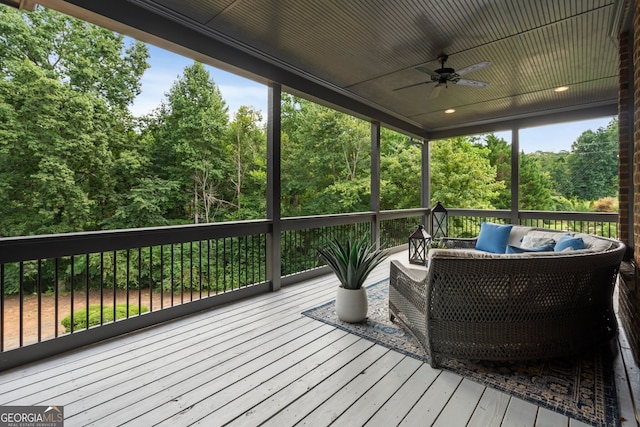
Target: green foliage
401, 170
188, 147
64, 120
352, 261
145, 204
326, 160
594, 163
80, 316
247, 144
535, 186
500, 158
462, 176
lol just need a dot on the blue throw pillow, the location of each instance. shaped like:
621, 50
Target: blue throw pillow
544, 248
568, 241
493, 237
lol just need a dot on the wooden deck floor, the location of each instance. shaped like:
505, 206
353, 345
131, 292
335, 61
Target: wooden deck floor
260, 362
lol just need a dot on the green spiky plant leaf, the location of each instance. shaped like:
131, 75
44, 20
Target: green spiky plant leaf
352, 261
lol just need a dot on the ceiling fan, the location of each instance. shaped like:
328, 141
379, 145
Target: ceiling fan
443, 76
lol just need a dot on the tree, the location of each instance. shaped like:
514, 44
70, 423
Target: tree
64, 122
535, 186
554, 165
461, 175
87, 58
326, 157
189, 148
248, 155
401, 171
500, 158
594, 163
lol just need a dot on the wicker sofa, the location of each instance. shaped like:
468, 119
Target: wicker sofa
471, 304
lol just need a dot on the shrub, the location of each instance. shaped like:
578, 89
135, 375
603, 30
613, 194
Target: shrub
80, 316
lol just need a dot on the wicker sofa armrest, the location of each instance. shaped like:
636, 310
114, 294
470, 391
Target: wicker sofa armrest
408, 301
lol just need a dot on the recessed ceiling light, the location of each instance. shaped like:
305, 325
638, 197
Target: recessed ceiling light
449, 111
561, 88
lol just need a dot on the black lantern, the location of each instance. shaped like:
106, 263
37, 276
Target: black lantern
419, 243
439, 221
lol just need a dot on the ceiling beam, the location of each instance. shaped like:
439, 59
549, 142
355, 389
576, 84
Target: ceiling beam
571, 114
135, 21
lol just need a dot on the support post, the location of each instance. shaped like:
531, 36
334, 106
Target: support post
425, 184
274, 186
515, 175
375, 183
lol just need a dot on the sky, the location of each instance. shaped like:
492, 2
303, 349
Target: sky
166, 67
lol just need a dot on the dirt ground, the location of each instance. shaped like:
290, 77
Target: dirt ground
11, 312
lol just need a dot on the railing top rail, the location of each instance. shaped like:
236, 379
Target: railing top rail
403, 213
479, 212
302, 222
549, 215
568, 216
13, 249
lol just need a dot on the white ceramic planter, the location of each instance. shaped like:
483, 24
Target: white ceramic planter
351, 304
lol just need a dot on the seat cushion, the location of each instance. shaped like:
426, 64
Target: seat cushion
493, 237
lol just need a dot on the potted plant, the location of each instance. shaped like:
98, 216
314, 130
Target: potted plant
351, 262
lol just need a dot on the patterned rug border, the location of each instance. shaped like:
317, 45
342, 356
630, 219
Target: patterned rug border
611, 416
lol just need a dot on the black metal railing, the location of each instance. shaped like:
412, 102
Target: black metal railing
57, 286
52, 296
466, 222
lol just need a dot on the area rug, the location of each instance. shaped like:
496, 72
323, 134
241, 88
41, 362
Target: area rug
582, 388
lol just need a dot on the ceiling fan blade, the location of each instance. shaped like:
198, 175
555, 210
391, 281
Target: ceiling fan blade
436, 91
412, 85
474, 67
429, 71
467, 82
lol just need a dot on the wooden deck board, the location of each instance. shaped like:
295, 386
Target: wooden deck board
260, 362
395, 409
373, 399
490, 410
520, 413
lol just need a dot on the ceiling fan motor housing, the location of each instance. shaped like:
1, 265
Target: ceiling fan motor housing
444, 74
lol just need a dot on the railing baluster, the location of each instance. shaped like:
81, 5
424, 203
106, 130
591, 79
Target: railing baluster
191, 271
56, 280
115, 284
161, 277
72, 305
150, 281
39, 291
224, 264
200, 266
101, 288
181, 273
128, 281
173, 289
139, 280
87, 293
